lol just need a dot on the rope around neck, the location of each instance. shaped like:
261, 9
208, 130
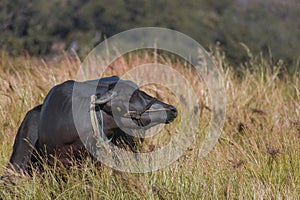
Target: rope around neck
102, 140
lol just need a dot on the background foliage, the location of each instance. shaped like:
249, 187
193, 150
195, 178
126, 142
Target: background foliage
50, 27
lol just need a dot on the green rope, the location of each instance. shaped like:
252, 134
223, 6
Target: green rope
102, 140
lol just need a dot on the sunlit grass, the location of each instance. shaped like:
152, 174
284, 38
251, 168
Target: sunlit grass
256, 157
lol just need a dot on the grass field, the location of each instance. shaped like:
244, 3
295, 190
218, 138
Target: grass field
256, 157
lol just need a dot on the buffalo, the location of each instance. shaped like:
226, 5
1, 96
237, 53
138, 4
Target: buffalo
76, 114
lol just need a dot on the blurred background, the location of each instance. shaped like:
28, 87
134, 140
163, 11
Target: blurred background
47, 28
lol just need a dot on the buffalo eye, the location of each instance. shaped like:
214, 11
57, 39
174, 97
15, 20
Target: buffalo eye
119, 109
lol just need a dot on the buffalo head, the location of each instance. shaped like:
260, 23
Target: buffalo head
132, 108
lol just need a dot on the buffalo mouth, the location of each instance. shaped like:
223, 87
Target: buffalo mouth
153, 117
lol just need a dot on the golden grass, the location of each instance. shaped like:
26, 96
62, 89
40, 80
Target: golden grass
256, 157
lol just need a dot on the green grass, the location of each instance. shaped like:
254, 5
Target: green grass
256, 157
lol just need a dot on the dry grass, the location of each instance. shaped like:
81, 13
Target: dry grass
257, 156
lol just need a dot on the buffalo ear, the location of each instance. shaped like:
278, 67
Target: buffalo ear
106, 97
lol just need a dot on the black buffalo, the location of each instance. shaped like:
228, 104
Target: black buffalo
58, 127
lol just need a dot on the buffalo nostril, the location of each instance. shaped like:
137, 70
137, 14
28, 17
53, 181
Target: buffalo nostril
171, 114
174, 111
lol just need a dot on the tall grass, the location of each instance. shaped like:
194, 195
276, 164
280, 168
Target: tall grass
256, 157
